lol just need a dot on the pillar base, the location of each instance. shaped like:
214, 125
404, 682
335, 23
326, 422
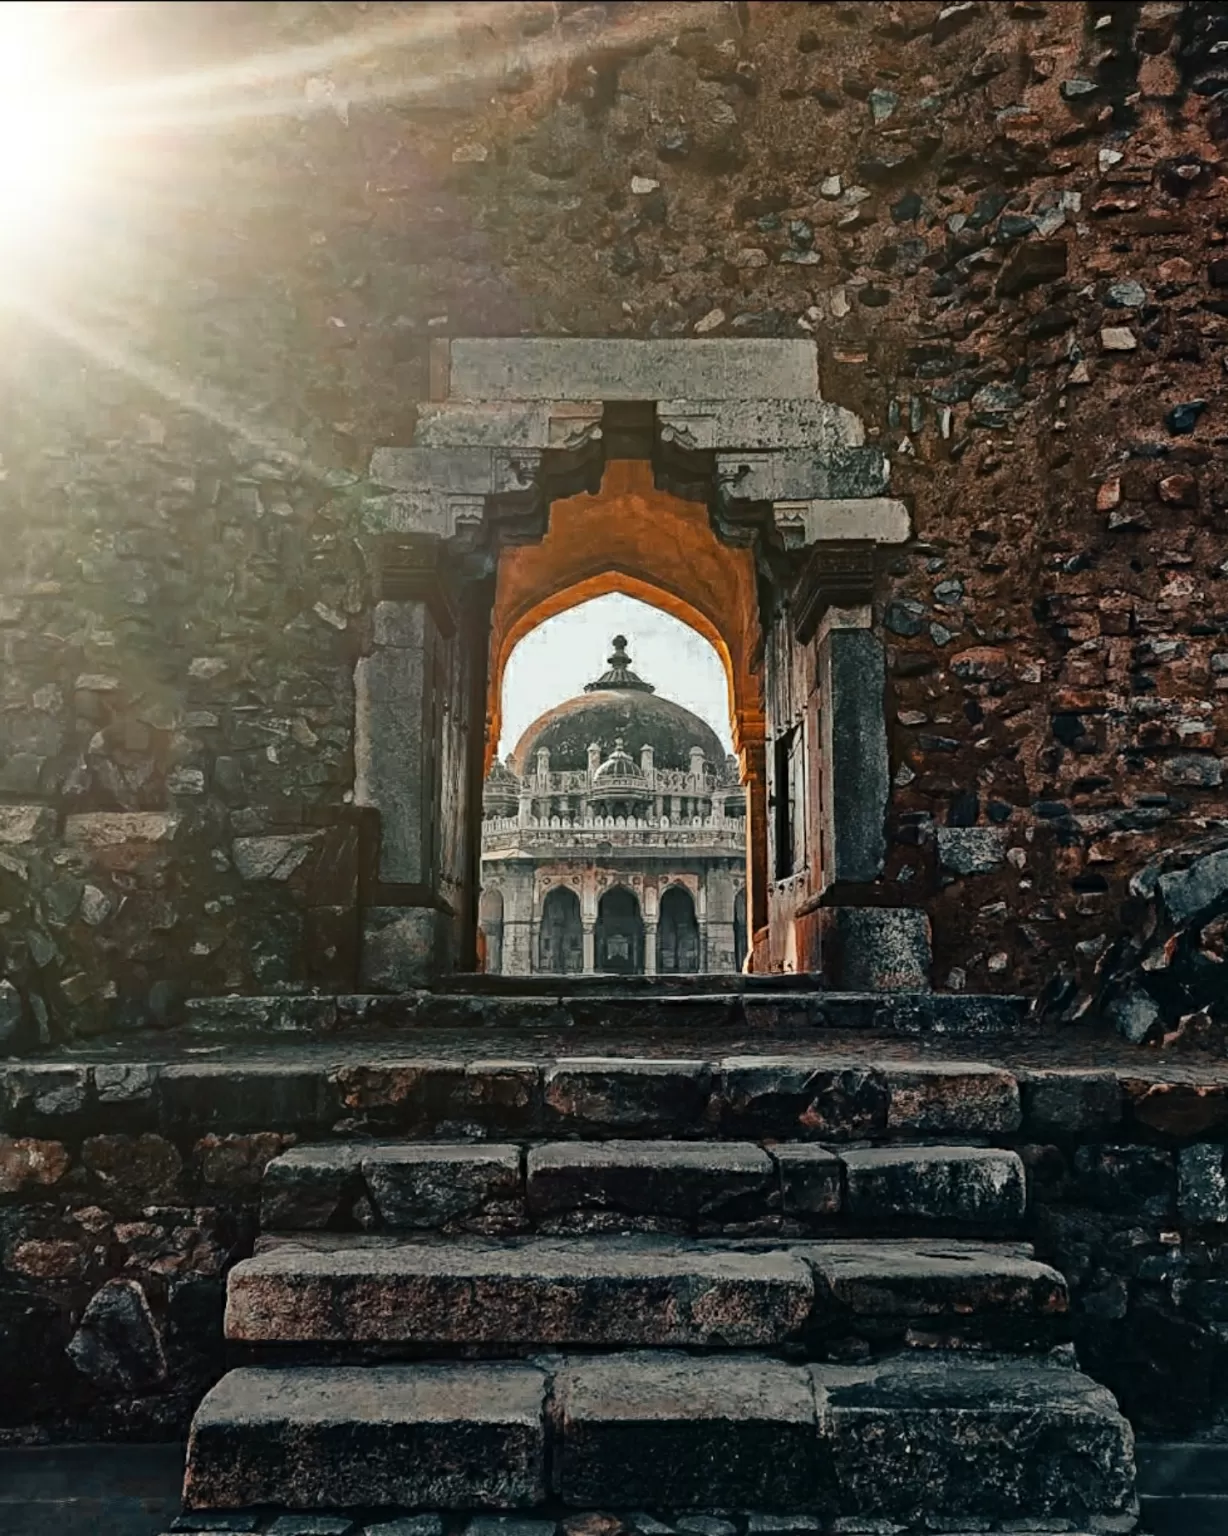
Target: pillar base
875, 949
402, 947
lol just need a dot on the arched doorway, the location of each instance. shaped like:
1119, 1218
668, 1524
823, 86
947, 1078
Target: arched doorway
490, 928
677, 933
560, 934
620, 933
635, 539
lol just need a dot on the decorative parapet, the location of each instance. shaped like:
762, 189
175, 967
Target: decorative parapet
506, 835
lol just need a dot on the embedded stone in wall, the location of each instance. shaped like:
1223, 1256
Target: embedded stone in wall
118, 1343
25, 823
1202, 1188
272, 858
970, 850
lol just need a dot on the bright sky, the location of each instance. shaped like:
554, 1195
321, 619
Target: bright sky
555, 660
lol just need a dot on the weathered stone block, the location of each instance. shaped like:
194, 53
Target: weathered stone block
433, 1436
1139, 1182
951, 1098
427, 1185
401, 947
118, 1344
970, 850
811, 1179
564, 368
25, 824
917, 1439
695, 1184
883, 1278
29, 1163
1069, 1101
272, 858
800, 1098
1202, 1188
626, 1095
1188, 894
245, 1096
95, 830
311, 1187
964, 1186
602, 1292
877, 949
670, 1432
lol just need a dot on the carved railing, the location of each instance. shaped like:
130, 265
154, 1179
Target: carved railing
505, 835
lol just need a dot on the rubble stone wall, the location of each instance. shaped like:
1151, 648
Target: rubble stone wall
1003, 224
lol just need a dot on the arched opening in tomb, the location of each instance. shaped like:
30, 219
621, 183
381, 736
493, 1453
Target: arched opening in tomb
560, 935
717, 486
620, 933
645, 796
677, 933
619, 783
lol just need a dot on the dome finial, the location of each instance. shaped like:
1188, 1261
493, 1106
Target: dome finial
620, 674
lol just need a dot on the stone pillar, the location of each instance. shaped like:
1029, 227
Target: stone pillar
650, 947
855, 783
419, 717
518, 934
589, 933
396, 751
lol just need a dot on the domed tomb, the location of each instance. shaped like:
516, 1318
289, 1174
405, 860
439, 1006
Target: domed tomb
618, 711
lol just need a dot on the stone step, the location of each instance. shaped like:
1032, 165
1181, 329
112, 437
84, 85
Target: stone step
690, 1187
614, 1293
654, 1003
921, 1441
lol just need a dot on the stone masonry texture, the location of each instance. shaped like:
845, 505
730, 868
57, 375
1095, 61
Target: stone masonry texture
1002, 224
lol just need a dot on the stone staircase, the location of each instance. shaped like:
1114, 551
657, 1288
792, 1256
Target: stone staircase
796, 1303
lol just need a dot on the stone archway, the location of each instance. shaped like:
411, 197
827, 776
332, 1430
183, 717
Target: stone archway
730, 433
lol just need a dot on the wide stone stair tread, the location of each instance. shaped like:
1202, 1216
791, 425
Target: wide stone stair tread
910, 1439
686, 1186
616, 1292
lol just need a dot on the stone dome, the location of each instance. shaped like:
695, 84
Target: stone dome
617, 705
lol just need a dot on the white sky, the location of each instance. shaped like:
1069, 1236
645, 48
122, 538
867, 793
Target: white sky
554, 661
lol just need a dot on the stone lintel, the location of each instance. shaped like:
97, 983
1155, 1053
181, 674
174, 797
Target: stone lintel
561, 424
588, 368
854, 519
798, 475
730, 425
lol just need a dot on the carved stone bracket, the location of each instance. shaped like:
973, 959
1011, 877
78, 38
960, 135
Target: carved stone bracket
411, 569
834, 576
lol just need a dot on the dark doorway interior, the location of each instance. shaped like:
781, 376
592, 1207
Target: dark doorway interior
560, 939
677, 933
620, 933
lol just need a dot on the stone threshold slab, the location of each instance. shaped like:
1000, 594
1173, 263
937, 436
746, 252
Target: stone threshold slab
920, 1015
